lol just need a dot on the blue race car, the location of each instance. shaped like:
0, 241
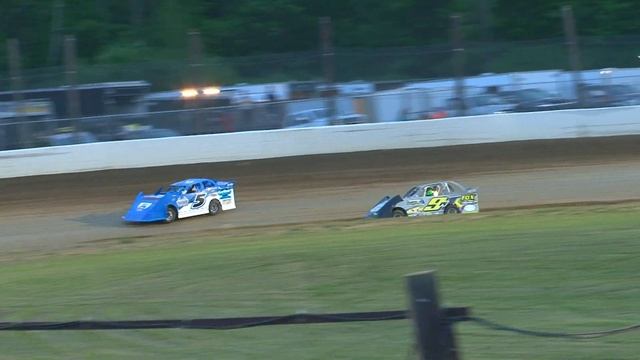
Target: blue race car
183, 199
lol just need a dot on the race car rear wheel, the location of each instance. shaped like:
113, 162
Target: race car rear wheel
172, 214
214, 207
398, 213
451, 210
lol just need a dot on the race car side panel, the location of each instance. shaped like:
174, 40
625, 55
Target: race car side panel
429, 206
198, 204
227, 198
437, 205
467, 203
192, 205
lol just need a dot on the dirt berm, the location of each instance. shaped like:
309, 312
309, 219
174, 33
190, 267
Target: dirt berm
332, 170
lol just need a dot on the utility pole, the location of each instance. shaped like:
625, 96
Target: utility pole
195, 56
457, 53
326, 41
571, 38
15, 73
195, 78
485, 25
328, 67
57, 18
71, 72
136, 7
15, 68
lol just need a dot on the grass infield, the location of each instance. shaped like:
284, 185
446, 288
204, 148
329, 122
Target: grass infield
558, 269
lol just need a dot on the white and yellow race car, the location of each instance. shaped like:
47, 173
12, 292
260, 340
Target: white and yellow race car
442, 197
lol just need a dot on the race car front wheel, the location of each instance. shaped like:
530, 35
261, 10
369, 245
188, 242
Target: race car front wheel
172, 215
214, 207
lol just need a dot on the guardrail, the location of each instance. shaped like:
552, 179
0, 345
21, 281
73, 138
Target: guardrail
252, 145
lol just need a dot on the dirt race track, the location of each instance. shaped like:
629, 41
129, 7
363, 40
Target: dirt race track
62, 211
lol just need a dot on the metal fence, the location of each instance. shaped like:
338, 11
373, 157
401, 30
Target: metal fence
26, 132
413, 101
408, 83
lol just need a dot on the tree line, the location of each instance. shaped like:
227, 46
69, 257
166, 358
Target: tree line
113, 31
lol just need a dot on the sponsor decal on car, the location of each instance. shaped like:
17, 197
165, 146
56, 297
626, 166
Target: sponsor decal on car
224, 194
182, 201
143, 206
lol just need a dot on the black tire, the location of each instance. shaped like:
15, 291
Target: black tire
398, 213
214, 207
172, 215
451, 210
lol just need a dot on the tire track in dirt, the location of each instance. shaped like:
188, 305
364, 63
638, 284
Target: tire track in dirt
61, 211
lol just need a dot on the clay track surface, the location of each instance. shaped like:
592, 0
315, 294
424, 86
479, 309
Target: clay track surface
62, 211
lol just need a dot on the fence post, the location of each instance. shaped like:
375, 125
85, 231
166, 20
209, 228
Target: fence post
57, 19
485, 25
326, 43
328, 64
196, 62
574, 53
71, 72
17, 87
434, 334
457, 53
196, 79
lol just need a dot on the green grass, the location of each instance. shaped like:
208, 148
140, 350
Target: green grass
558, 269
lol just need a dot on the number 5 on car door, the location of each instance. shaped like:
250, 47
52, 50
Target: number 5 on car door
436, 203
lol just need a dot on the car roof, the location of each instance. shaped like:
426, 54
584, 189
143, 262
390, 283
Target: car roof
425, 185
191, 181
432, 183
442, 182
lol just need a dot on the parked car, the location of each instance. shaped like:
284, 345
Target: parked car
482, 104
68, 136
320, 117
531, 99
610, 95
136, 131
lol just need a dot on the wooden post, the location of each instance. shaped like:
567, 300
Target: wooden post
15, 71
485, 25
434, 334
328, 66
57, 20
574, 53
71, 72
195, 58
457, 53
196, 80
326, 43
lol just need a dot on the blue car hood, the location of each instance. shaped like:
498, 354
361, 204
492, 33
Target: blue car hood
146, 208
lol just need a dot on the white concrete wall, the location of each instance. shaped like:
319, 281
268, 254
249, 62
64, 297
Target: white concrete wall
334, 139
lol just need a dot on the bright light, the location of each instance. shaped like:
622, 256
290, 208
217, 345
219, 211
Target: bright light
189, 93
211, 90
